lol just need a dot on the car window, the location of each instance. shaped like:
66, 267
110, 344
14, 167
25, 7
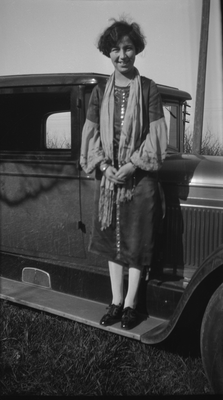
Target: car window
35, 119
170, 112
58, 131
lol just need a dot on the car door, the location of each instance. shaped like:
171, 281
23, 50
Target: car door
40, 204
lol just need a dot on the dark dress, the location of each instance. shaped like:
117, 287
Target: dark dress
129, 240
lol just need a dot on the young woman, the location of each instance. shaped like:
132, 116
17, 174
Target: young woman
124, 140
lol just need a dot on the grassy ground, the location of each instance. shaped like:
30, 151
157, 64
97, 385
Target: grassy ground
42, 354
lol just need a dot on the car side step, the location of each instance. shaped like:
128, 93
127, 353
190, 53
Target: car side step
68, 306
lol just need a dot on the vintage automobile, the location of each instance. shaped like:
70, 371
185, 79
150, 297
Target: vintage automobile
46, 214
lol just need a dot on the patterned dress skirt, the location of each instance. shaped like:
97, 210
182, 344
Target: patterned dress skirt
129, 240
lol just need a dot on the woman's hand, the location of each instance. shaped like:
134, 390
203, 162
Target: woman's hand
125, 172
111, 174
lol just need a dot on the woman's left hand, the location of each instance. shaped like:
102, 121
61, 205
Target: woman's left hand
126, 171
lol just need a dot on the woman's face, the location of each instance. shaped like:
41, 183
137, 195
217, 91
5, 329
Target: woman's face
123, 56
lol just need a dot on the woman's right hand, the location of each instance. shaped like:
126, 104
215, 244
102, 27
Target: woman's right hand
110, 174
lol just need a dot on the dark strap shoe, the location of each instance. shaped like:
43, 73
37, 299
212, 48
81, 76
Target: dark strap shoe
129, 318
113, 315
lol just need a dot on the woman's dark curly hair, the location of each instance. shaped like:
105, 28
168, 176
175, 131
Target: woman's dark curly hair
113, 34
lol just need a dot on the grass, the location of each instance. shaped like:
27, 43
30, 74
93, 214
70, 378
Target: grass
42, 354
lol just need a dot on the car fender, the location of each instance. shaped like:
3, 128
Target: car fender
193, 302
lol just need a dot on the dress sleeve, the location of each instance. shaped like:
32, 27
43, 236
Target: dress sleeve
91, 150
152, 151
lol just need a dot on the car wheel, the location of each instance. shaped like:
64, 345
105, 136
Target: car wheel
211, 341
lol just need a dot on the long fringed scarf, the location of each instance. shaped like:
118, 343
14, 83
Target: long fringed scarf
129, 141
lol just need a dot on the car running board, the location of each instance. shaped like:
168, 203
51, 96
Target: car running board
75, 308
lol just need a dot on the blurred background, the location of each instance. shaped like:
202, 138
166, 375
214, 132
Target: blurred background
57, 36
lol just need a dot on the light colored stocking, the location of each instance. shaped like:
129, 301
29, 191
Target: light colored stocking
134, 280
117, 278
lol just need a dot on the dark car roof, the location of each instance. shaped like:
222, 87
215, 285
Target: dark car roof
10, 81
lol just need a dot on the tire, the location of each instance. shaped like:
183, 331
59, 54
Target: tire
211, 341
